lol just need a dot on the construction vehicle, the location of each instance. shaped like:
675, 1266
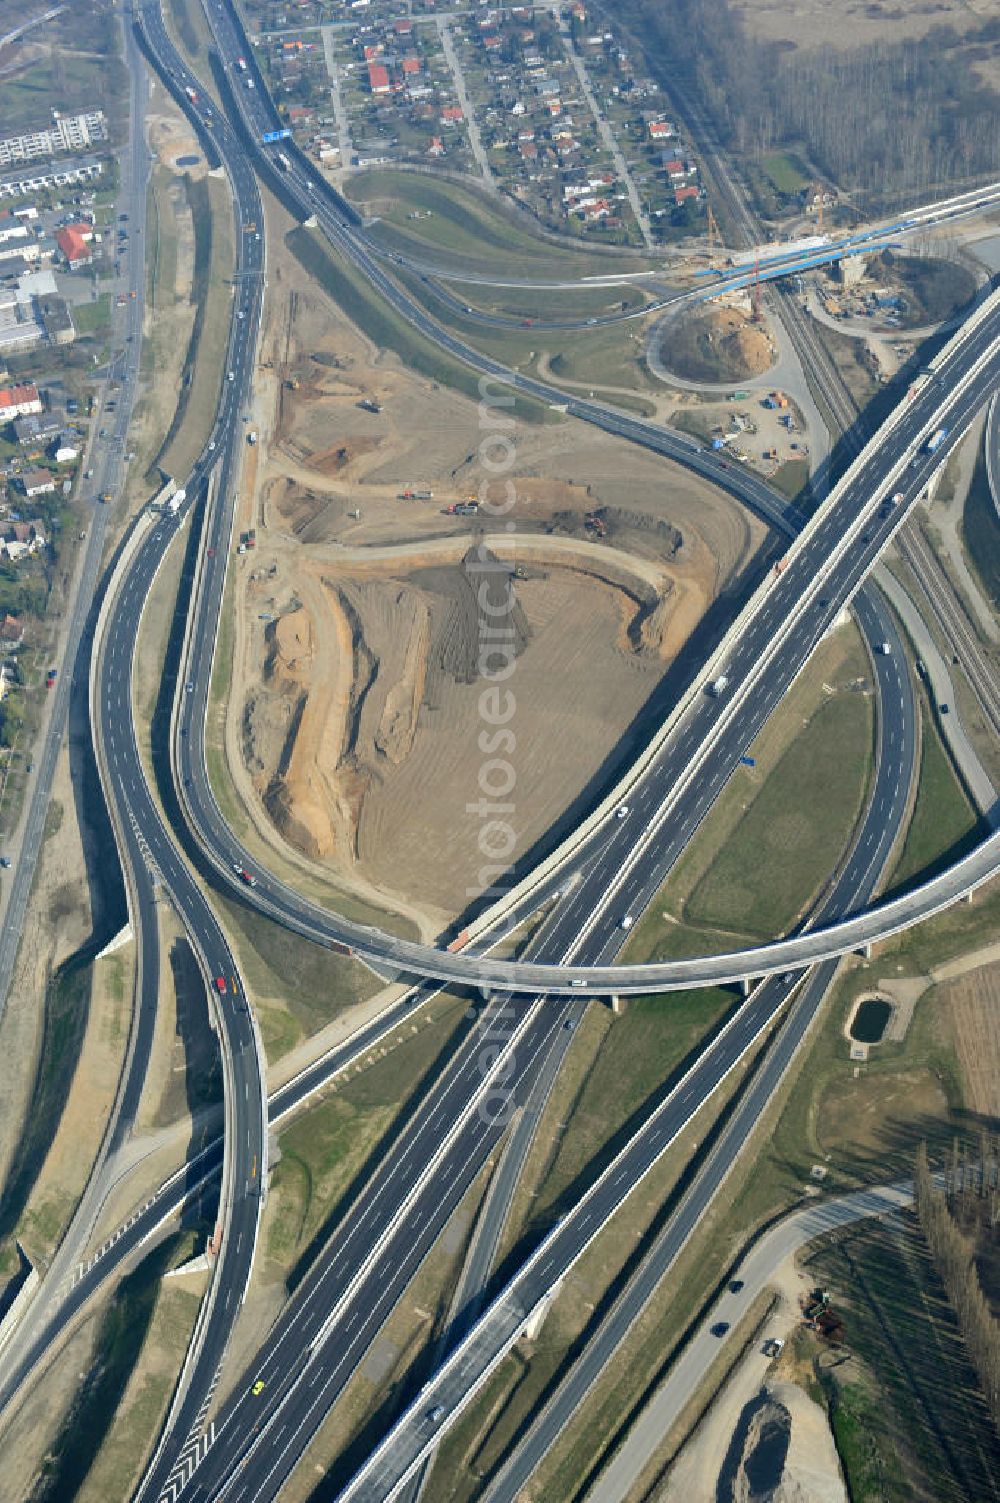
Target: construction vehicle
252, 437
368, 405
815, 1302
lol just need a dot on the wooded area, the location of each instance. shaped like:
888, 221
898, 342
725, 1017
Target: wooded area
954, 1257
879, 120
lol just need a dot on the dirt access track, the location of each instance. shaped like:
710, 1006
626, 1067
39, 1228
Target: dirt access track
356, 728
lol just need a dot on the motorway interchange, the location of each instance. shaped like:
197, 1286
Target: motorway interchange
616, 866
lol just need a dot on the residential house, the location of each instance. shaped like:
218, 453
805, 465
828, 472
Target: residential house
73, 241
11, 633
378, 78
36, 430
37, 483
19, 401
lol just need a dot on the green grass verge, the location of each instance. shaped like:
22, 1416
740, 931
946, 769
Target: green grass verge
315, 984
944, 824
420, 214
551, 302
637, 1053
211, 293
791, 478
793, 813
981, 533
67, 1009
602, 358
161, 241
795, 830
327, 1146
89, 1441
94, 317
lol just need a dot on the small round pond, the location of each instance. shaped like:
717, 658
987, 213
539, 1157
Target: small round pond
870, 1021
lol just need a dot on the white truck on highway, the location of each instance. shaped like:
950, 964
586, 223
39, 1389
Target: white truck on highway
718, 685
171, 505
936, 440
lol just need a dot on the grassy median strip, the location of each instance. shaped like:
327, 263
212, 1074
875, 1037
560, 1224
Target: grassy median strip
791, 813
944, 826
795, 829
328, 1146
211, 293
981, 533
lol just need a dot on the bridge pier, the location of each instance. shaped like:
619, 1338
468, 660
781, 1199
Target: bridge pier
121, 938
617, 1004
536, 1319
865, 950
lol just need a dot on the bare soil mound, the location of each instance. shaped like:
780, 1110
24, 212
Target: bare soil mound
717, 345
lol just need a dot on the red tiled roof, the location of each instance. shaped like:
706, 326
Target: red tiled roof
71, 242
16, 396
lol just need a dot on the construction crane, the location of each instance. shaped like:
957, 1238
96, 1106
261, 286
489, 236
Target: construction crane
714, 237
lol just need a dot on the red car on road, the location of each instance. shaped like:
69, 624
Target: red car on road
220, 982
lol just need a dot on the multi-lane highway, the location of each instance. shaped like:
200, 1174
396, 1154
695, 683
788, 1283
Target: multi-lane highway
150, 850
823, 552
308, 1357
670, 797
